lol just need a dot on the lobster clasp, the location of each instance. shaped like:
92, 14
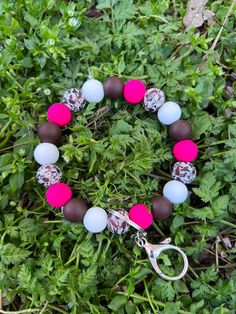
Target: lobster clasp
153, 252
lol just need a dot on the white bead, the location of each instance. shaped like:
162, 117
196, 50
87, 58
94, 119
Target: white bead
93, 90
169, 113
95, 219
46, 153
175, 191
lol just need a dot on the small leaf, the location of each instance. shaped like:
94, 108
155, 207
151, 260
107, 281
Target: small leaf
195, 307
16, 181
117, 302
177, 221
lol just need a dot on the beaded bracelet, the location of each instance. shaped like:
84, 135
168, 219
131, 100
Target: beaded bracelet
96, 219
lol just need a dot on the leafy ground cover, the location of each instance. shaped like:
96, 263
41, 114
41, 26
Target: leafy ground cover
115, 155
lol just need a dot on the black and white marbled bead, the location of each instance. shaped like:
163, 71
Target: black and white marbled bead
74, 99
48, 175
184, 172
117, 225
154, 98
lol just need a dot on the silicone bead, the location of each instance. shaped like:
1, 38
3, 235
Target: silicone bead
175, 191
117, 225
48, 175
185, 150
134, 91
184, 172
95, 219
58, 194
74, 99
141, 216
75, 209
93, 91
154, 98
46, 153
59, 114
161, 208
49, 132
169, 113
180, 130
113, 87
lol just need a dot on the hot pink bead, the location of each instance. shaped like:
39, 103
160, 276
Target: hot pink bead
58, 194
141, 216
134, 91
59, 114
185, 150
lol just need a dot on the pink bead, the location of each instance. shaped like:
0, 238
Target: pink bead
141, 216
185, 150
59, 114
58, 194
134, 91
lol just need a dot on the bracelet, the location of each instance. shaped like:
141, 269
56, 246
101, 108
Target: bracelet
96, 219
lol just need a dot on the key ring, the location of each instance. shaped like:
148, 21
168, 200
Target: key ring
154, 251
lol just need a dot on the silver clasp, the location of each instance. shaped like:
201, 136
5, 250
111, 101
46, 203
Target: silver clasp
153, 252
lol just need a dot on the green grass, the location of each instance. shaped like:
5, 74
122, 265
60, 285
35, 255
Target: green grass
115, 155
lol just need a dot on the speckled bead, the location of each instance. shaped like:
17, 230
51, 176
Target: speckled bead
48, 175
154, 98
184, 172
117, 225
74, 99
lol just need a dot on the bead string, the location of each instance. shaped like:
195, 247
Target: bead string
96, 219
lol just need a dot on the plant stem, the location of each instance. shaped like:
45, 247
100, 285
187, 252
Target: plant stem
224, 23
52, 221
139, 297
228, 223
148, 295
220, 267
212, 144
17, 145
158, 229
21, 311
57, 308
5, 127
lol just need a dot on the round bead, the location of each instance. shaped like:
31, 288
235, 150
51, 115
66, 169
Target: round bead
113, 87
180, 130
74, 99
117, 225
161, 207
184, 172
175, 191
95, 219
169, 113
141, 216
59, 114
185, 150
46, 153
93, 90
154, 98
75, 209
49, 132
134, 91
58, 194
48, 175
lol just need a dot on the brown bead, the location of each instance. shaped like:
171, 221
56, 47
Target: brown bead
75, 209
180, 130
49, 132
161, 207
113, 87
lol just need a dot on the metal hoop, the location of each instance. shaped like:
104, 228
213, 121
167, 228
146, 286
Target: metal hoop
157, 268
